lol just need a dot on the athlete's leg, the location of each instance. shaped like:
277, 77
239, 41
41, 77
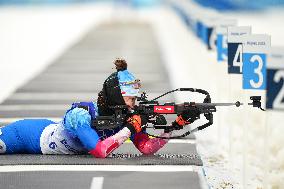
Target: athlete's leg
22, 136
9, 141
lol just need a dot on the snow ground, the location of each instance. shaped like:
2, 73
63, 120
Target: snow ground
190, 65
232, 158
264, 157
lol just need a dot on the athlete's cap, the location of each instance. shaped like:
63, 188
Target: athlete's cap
129, 86
118, 84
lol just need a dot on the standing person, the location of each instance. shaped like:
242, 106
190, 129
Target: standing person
75, 133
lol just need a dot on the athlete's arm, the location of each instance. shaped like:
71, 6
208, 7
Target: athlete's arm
105, 147
147, 145
78, 120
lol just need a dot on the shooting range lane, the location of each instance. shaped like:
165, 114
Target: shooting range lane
173, 154
117, 180
78, 76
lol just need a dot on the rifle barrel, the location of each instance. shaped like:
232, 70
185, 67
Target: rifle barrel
220, 104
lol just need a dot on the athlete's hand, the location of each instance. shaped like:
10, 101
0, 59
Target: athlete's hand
187, 116
135, 122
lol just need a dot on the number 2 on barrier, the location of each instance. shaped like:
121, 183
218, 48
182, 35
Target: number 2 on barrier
277, 103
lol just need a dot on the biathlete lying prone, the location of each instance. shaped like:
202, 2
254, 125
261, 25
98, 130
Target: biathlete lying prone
75, 133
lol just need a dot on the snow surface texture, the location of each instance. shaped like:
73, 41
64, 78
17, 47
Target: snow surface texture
254, 157
46, 32
265, 130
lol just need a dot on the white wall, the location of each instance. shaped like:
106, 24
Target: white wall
32, 37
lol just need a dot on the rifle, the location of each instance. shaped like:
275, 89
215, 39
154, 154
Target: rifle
153, 111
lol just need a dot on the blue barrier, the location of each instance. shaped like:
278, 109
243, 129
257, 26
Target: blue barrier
253, 76
236, 5
134, 3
